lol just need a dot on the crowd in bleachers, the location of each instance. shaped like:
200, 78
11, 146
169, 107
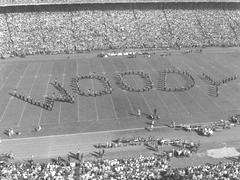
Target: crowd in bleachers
142, 167
87, 29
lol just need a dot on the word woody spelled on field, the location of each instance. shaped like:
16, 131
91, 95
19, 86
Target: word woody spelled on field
65, 96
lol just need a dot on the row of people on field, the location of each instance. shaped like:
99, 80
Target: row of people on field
47, 104
149, 141
229, 79
209, 129
133, 54
213, 90
76, 85
235, 119
187, 51
129, 54
212, 81
148, 84
65, 95
112, 54
11, 132
190, 82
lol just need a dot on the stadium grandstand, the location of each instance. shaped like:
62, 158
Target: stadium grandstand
119, 89
161, 25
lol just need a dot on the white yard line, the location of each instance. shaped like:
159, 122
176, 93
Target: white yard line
232, 65
2, 77
93, 87
225, 66
114, 108
16, 87
162, 100
200, 106
6, 79
29, 93
145, 101
236, 66
63, 78
179, 101
131, 107
45, 94
77, 98
75, 134
92, 120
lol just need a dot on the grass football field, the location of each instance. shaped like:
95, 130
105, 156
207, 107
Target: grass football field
31, 77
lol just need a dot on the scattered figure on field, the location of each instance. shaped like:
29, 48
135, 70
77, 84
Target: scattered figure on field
39, 128
173, 124
152, 124
155, 115
139, 113
10, 132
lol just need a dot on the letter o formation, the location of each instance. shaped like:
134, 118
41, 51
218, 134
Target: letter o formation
190, 82
148, 84
90, 92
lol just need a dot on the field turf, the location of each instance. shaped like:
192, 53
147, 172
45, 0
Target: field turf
31, 77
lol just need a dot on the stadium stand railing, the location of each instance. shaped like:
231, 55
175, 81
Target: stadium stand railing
49, 2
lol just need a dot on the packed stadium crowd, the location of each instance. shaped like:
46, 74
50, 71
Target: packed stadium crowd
142, 167
87, 29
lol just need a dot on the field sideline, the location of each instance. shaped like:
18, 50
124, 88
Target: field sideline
115, 111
